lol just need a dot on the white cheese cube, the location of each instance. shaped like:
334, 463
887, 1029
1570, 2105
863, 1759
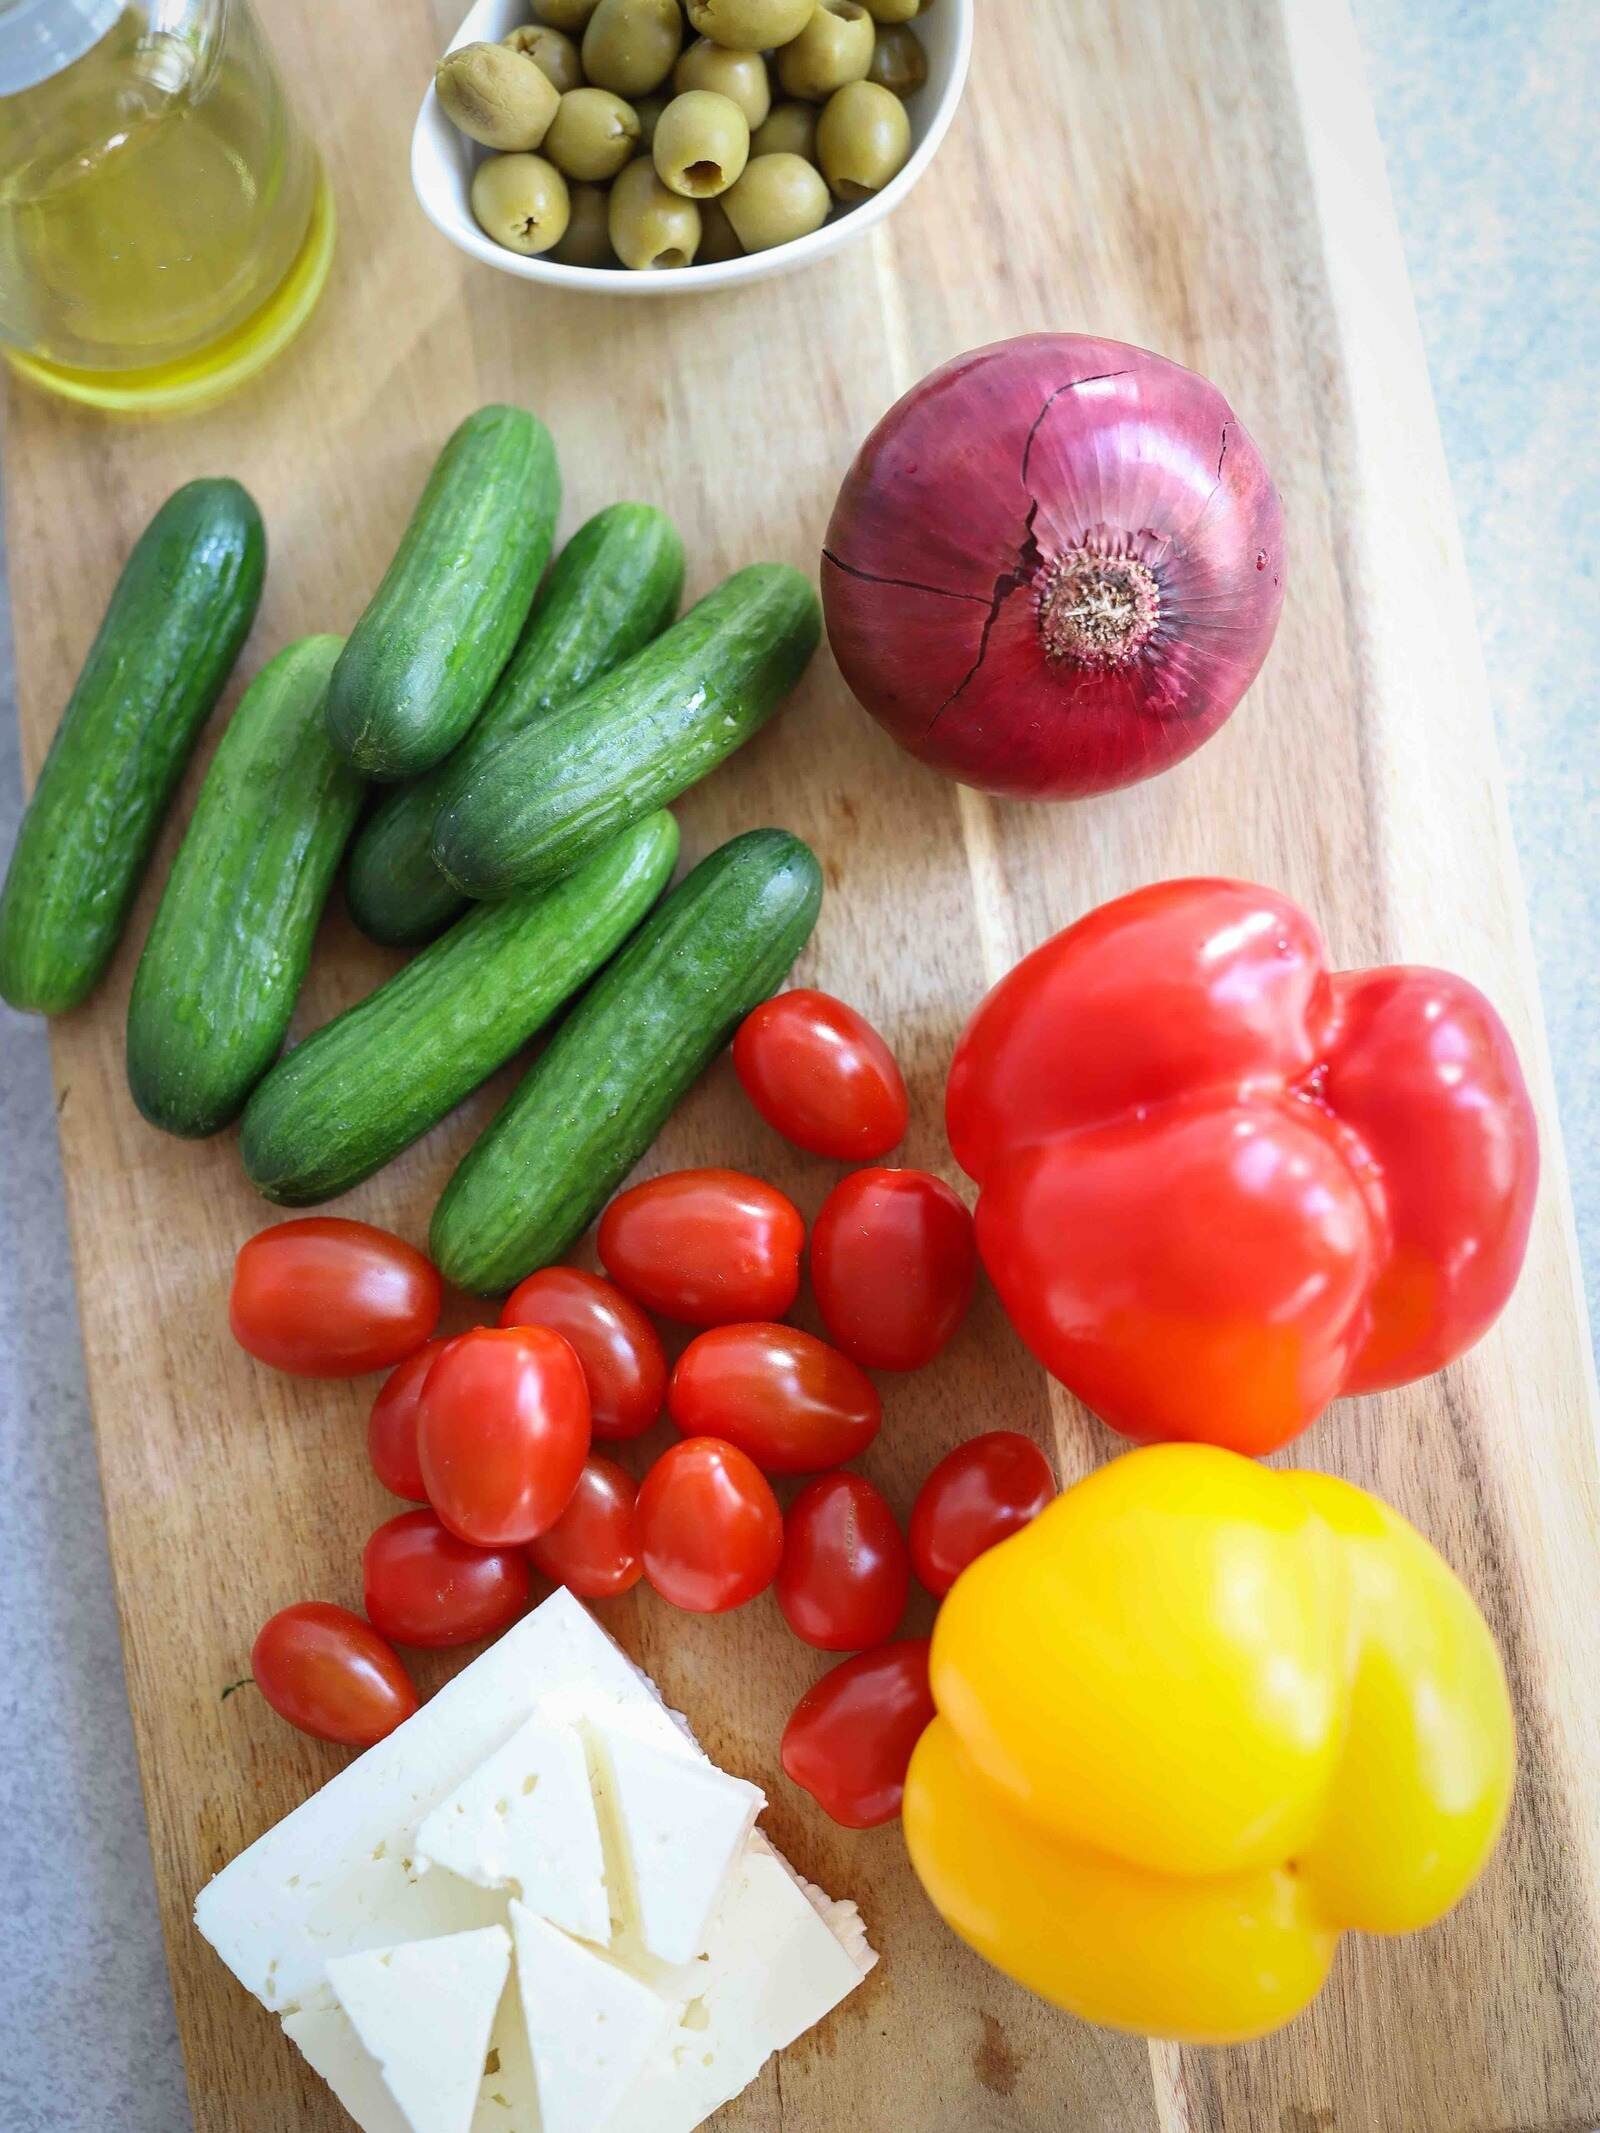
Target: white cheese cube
673, 1829
592, 2029
423, 2012
341, 1872
525, 1820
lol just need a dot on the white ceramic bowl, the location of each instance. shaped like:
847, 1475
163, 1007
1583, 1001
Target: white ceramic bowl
443, 160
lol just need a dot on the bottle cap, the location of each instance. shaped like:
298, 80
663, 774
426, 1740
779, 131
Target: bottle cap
40, 37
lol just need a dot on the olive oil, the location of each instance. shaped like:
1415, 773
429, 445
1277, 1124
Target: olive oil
154, 193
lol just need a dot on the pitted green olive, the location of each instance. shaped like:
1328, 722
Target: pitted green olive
702, 144
592, 135
863, 140
630, 45
791, 130
750, 25
552, 52
899, 63
779, 198
894, 10
740, 76
650, 225
521, 202
495, 95
568, 15
833, 49
587, 242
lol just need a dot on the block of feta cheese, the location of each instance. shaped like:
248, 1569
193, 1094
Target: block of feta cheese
423, 2012
525, 1821
348, 1874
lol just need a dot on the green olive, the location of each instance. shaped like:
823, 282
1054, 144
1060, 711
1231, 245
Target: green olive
893, 10
588, 239
592, 135
649, 110
899, 63
650, 226
750, 25
568, 15
863, 140
702, 144
552, 52
779, 198
740, 76
718, 238
791, 130
834, 48
521, 202
630, 45
495, 95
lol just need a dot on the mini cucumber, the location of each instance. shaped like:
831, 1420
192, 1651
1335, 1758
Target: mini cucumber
420, 663
227, 954
356, 1092
633, 740
614, 586
602, 1090
181, 609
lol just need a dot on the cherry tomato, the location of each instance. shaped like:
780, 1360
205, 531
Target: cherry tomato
710, 1531
331, 1674
978, 1495
821, 1074
426, 1588
503, 1433
593, 1547
791, 1402
326, 1298
706, 1247
850, 1737
624, 1363
894, 1264
846, 1571
392, 1426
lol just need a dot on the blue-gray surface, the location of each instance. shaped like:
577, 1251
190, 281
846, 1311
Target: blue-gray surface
1487, 112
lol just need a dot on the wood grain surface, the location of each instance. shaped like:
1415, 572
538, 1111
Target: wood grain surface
1200, 176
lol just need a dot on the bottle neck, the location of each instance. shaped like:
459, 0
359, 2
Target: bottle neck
39, 38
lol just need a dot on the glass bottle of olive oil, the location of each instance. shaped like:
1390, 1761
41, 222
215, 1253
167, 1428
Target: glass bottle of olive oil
162, 223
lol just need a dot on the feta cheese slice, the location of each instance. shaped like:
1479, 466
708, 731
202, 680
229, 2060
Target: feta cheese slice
525, 1820
342, 1872
592, 2028
674, 1829
327, 2038
423, 2012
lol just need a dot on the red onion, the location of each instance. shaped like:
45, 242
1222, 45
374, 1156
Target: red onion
1055, 566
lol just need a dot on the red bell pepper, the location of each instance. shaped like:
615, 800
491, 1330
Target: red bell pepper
1222, 1185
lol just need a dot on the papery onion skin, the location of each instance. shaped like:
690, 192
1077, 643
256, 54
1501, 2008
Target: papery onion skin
1017, 467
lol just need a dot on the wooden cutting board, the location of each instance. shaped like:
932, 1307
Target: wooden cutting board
1202, 179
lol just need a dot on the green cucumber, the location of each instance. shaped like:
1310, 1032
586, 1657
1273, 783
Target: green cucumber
181, 609
421, 661
614, 586
227, 954
641, 1035
633, 740
356, 1092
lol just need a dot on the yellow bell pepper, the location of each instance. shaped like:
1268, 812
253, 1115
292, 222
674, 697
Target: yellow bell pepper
1195, 1721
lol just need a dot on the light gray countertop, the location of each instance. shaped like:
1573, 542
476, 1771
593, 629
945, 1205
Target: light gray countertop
1487, 113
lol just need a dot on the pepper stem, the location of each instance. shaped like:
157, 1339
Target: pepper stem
1097, 610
